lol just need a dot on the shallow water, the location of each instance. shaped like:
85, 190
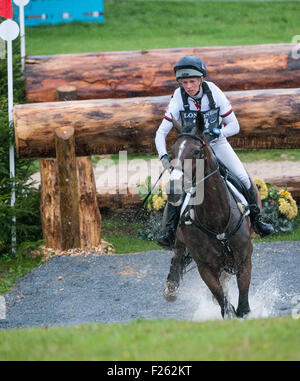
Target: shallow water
265, 298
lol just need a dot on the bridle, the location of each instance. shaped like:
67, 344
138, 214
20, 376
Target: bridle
198, 138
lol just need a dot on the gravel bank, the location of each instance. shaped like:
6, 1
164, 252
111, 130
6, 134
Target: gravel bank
116, 288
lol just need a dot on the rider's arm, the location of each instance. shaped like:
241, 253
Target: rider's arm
160, 137
165, 127
232, 126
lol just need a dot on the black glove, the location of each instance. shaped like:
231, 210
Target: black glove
165, 160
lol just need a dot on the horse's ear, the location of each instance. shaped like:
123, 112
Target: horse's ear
178, 127
200, 122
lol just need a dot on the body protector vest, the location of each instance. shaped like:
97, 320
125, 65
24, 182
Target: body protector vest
211, 117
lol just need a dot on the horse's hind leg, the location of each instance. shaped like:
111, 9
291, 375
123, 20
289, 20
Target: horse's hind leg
211, 278
175, 273
243, 281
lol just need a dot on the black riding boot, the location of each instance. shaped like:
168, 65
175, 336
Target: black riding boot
260, 227
167, 237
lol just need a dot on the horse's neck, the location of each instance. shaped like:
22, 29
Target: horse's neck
214, 210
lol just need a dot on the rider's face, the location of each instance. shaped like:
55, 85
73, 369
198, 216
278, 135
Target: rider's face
191, 85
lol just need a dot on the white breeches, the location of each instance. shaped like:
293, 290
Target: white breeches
226, 154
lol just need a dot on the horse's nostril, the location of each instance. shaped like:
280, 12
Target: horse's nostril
174, 188
175, 200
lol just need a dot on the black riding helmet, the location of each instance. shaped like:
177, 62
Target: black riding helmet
190, 66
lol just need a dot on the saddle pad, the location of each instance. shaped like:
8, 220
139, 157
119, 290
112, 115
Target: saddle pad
238, 194
185, 203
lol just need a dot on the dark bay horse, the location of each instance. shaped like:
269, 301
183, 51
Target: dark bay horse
216, 231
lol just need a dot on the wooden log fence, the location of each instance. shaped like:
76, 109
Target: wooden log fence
67, 182
52, 209
69, 209
150, 72
261, 81
268, 119
119, 202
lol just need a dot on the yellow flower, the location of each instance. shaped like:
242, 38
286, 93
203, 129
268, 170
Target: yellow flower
143, 182
285, 193
288, 207
262, 187
283, 206
158, 203
164, 195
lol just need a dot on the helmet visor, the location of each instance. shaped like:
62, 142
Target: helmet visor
187, 72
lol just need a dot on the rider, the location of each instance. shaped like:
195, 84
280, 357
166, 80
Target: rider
196, 95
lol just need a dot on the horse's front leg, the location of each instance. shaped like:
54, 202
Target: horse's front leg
243, 281
175, 273
211, 279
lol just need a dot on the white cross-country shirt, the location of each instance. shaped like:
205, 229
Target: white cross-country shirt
176, 105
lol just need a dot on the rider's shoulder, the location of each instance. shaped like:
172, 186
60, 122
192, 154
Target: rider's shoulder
177, 95
216, 91
213, 86
177, 92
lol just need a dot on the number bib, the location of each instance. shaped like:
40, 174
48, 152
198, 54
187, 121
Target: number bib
211, 119
188, 120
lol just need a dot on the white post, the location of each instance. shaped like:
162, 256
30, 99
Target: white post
11, 148
22, 38
21, 4
9, 31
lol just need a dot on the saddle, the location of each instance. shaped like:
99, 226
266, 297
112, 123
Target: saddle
235, 186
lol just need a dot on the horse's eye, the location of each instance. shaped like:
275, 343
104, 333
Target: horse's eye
196, 153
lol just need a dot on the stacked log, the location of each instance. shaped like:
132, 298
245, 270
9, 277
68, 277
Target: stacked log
56, 230
261, 81
268, 119
150, 72
67, 182
292, 183
119, 202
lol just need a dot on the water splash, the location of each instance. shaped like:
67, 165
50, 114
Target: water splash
263, 298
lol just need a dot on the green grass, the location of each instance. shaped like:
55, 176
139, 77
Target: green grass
247, 156
12, 268
274, 339
131, 25
124, 244
120, 230
109, 160
294, 236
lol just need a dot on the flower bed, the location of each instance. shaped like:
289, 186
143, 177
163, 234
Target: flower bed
278, 205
